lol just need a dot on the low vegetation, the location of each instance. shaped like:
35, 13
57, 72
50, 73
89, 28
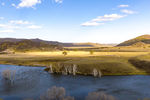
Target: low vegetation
91, 52
64, 53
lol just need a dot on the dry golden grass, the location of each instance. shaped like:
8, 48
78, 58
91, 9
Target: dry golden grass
83, 54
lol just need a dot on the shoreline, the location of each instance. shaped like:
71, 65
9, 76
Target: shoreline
82, 74
87, 65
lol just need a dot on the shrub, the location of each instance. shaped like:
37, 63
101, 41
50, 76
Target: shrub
91, 52
64, 53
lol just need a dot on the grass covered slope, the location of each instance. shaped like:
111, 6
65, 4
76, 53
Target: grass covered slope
107, 63
28, 45
141, 39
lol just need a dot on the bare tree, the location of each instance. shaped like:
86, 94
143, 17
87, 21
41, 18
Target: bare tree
96, 73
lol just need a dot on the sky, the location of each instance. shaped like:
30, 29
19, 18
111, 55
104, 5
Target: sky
98, 21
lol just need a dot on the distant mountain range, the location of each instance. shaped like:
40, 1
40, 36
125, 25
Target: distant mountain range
138, 41
88, 44
33, 40
43, 45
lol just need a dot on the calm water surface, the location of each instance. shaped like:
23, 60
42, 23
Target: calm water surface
31, 82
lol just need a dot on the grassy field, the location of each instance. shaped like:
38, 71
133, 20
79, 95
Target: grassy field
108, 63
112, 49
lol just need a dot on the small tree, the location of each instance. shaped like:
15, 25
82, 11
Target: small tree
91, 52
64, 53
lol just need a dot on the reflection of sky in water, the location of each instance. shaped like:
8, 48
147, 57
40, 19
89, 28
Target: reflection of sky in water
30, 82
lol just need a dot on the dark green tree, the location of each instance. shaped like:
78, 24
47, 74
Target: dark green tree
64, 53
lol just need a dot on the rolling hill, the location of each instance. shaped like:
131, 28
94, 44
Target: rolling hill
141, 40
28, 45
38, 44
88, 44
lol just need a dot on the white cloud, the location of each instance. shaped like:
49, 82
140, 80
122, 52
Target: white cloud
8, 26
106, 17
28, 3
123, 6
1, 18
31, 3
91, 24
3, 26
13, 5
3, 4
58, 1
12, 25
34, 27
128, 11
101, 19
7, 31
20, 22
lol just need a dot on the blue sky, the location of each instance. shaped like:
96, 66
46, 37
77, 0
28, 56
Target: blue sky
99, 21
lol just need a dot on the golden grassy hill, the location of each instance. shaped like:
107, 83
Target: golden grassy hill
138, 40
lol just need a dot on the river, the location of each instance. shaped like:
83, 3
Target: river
31, 82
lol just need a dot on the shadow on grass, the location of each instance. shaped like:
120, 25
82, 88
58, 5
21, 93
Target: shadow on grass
141, 64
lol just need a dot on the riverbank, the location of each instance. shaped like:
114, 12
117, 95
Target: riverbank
81, 62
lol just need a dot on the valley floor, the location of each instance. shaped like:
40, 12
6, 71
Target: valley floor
106, 63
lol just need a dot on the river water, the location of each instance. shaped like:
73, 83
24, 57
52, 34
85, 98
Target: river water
31, 82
